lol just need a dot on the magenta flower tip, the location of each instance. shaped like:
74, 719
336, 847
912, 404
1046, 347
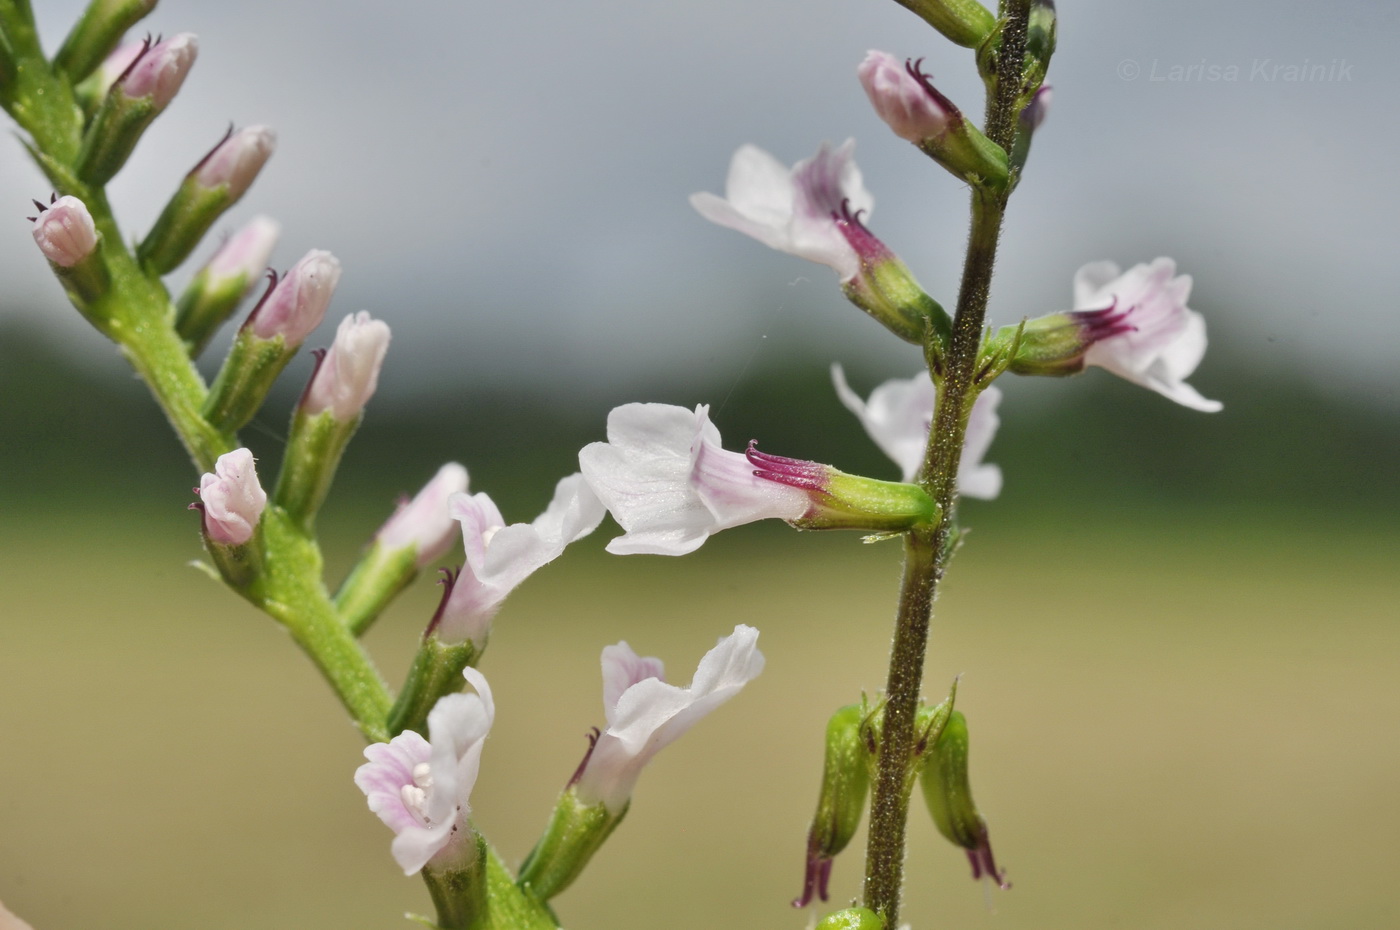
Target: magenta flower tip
795, 473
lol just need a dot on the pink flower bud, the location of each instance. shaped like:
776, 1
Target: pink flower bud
232, 499
159, 73
245, 254
904, 97
297, 304
236, 160
65, 231
348, 374
116, 64
425, 522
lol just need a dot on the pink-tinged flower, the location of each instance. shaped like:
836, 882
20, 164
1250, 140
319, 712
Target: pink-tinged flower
645, 714
348, 373
244, 256
159, 72
500, 557
1165, 340
905, 98
297, 303
898, 417
793, 210
421, 789
116, 64
670, 484
231, 498
64, 231
236, 160
9, 921
425, 522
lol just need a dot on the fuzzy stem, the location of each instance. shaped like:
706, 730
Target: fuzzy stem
927, 553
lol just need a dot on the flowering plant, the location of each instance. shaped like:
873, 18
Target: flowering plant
663, 472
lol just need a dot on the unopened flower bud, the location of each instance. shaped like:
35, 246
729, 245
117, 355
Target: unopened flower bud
348, 373
215, 291
236, 161
232, 499
419, 533
298, 302
65, 232
850, 750
949, 798
425, 523
138, 97
905, 98
964, 22
210, 188
98, 84
159, 73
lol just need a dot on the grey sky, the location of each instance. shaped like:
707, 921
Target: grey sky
505, 183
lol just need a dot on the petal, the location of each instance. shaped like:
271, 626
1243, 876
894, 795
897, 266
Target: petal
897, 417
623, 668
1089, 281
976, 478
389, 769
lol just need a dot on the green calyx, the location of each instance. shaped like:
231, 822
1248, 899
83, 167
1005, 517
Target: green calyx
846, 770
575, 832
182, 224
969, 155
962, 22
113, 134
96, 34
436, 671
206, 305
852, 918
375, 581
314, 449
852, 502
887, 290
251, 367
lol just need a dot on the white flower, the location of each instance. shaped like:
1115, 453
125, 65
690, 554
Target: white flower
420, 788
231, 498
65, 232
348, 374
670, 484
898, 416
1167, 340
499, 557
645, 714
793, 210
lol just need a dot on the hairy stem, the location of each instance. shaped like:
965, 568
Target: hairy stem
926, 553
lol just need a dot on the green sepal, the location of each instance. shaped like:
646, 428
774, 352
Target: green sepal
96, 34
969, 155
574, 833
852, 918
1040, 47
930, 722
460, 891
203, 308
113, 134
1051, 346
375, 581
238, 566
182, 224
962, 22
8, 68
314, 448
853, 502
949, 798
889, 293
846, 773
241, 387
86, 284
436, 671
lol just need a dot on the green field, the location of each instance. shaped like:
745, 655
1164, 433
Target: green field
1178, 721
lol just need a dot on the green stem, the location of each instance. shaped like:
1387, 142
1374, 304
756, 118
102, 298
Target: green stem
927, 552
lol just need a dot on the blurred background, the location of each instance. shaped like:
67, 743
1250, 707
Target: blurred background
1178, 631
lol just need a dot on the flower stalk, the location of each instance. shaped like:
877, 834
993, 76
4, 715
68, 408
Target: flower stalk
927, 552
